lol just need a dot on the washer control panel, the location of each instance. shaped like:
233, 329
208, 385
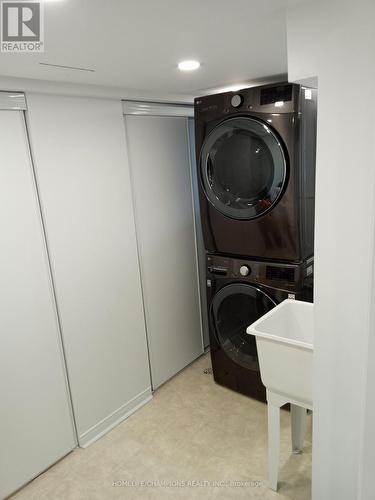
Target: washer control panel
290, 278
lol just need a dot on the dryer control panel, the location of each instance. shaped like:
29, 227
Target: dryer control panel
278, 98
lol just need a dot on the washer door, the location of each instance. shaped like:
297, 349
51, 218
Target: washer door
243, 168
233, 309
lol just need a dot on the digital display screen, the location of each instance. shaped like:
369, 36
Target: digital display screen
280, 93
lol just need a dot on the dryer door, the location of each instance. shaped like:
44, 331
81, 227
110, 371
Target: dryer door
233, 309
243, 168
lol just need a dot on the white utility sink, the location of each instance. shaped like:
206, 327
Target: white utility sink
284, 338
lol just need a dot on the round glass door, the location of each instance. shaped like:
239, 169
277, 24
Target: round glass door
234, 308
243, 168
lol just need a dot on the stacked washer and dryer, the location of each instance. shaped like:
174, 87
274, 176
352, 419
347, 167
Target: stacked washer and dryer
256, 166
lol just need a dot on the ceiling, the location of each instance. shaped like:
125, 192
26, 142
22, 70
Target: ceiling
136, 44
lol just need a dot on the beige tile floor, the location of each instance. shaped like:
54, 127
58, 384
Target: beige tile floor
192, 430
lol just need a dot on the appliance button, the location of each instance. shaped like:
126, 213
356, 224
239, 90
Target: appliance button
236, 100
244, 270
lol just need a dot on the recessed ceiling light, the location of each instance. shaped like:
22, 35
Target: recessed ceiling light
188, 65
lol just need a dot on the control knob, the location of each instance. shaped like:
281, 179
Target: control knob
236, 100
244, 270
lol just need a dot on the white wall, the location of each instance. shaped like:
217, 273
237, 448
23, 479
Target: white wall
334, 41
82, 172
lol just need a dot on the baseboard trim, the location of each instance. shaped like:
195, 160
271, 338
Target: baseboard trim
109, 422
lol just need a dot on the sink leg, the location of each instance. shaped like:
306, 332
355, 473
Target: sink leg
298, 417
273, 444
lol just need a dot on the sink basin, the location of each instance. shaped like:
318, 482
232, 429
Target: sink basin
285, 343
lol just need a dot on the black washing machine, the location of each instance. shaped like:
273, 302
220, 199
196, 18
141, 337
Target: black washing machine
256, 161
238, 293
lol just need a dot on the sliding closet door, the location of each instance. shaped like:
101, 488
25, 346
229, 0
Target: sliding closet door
201, 251
82, 172
36, 427
159, 159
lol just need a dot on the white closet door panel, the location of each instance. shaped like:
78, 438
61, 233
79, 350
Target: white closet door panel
36, 427
81, 164
201, 251
159, 159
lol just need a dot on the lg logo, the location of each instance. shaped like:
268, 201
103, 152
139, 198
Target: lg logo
21, 26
